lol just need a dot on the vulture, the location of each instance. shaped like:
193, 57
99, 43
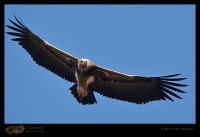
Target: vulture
89, 77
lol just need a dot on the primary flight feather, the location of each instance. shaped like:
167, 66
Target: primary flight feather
89, 77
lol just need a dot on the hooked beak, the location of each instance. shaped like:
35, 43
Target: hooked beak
82, 64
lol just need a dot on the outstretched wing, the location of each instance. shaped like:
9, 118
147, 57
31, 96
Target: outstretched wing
43, 53
136, 89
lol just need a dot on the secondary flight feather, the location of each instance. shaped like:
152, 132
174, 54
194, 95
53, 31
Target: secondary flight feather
89, 77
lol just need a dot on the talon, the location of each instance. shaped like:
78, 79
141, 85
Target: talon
80, 96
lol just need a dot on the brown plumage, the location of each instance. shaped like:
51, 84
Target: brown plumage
89, 78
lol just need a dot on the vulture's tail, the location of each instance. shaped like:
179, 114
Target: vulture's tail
89, 99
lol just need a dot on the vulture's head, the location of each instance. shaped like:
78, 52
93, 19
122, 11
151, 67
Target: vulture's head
84, 64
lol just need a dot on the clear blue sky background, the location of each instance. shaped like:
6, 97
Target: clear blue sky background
146, 40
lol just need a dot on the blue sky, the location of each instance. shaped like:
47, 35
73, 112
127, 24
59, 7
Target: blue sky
145, 40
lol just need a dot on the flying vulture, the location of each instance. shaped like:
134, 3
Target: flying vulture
89, 77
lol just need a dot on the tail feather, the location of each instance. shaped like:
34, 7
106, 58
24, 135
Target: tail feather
89, 99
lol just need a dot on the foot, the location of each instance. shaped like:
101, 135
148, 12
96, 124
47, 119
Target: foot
80, 96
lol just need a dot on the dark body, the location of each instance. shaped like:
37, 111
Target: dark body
89, 78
